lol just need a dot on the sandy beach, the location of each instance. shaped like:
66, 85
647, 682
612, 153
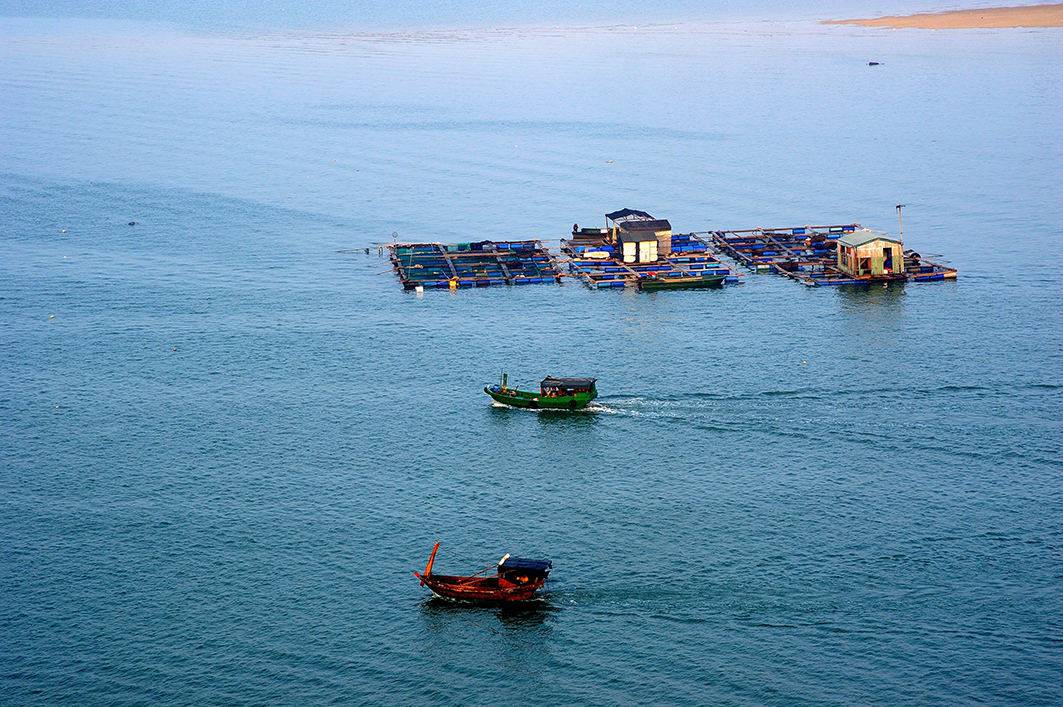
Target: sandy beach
997, 17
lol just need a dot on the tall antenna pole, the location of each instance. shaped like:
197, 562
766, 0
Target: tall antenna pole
900, 225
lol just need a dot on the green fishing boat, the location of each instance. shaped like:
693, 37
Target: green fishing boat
654, 282
554, 394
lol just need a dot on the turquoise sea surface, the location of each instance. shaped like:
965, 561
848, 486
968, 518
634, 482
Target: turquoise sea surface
228, 437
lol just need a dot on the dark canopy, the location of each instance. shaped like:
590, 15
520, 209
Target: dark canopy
521, 563
624, 213
568, 383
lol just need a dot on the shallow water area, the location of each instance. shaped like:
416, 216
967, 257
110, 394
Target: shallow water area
228, 437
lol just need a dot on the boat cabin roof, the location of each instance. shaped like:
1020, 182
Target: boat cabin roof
587, 383
523, 563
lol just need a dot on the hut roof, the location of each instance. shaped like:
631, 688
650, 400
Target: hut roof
657, 225
863, 237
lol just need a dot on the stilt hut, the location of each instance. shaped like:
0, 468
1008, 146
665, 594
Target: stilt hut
869, 254
637, 245
643, 232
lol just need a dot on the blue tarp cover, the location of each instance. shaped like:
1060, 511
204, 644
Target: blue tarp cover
521, 563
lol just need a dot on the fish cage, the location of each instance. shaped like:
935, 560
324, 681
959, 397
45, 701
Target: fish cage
438, 265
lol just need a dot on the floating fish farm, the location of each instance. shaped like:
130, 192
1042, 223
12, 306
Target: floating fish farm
636, 250
828, 255
428, 265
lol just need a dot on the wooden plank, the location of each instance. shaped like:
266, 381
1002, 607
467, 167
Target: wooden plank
505, 270
446, 257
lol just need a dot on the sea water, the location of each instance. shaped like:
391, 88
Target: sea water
228, 436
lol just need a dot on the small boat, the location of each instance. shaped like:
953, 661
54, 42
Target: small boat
554, 394
516, 579
654, 282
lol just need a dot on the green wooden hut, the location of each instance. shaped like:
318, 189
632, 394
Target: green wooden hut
866, 253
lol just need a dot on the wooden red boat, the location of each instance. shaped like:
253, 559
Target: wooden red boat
516, 579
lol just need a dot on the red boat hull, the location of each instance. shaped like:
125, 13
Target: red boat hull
480, 588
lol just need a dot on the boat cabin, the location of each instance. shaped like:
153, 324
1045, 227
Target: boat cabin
566, 387
866, 253
519, 570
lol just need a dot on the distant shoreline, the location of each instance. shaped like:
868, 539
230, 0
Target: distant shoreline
987, 18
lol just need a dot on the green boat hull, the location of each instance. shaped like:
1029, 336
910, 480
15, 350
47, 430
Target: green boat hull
537, 401
681, 283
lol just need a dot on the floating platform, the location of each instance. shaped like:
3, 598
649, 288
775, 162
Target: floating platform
437, 265
809, 254
592, 259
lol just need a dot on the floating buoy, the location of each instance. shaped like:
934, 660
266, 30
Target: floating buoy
64, 230
52, 317
804, 363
